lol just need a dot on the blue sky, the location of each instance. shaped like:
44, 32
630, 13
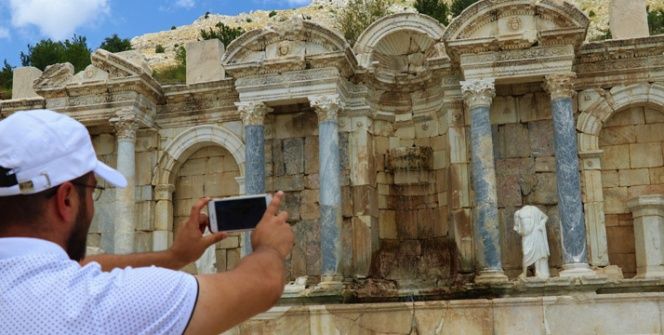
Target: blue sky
24, 22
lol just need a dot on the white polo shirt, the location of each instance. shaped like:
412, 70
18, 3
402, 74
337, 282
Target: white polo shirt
42, 291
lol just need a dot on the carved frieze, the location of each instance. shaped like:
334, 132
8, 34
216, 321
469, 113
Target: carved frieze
253, 113
478, 93
560, 85
326, 106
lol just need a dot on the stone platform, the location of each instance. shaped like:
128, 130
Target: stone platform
582, 313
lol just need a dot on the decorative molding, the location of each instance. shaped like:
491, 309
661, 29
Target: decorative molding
326, 106
479, 92
164, 192
560, 85
253, 113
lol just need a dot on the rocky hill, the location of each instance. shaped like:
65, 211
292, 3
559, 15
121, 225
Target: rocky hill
323, 12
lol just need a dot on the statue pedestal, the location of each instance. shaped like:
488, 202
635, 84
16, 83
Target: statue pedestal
491, 277
648, 213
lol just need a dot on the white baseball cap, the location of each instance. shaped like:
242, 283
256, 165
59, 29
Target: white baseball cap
41, 149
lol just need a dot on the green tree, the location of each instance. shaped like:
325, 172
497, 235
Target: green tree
6, 77
437, 9
115, 44
47, 52
656, 21
459, 5
358, 15
222, 32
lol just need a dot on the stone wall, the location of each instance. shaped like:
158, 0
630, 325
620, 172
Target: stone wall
632, 141
525, 167
100, 234
209, 171
292, 165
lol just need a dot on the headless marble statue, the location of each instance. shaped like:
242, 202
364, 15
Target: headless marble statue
530, 223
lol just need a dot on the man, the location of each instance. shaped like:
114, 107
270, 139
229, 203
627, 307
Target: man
48, 173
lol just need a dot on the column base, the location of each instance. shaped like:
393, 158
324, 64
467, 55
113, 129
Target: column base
491, 277
329, 284
575, 270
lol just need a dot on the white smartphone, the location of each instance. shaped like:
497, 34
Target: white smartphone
239, 213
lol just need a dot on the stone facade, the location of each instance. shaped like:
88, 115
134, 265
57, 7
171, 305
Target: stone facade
403, 160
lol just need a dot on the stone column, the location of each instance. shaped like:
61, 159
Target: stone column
478, 95
253, 117
125, 125
162, 236
648, 213
570, 206
327, 107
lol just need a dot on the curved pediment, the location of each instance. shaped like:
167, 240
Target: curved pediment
492, 25
401, 47
292, 40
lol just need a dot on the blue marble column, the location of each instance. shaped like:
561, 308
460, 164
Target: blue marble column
478, 95
253, 117
570, 205
327, 108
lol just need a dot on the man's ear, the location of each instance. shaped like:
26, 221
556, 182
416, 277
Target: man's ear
66, 202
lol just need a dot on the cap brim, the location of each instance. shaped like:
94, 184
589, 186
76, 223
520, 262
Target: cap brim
111, 175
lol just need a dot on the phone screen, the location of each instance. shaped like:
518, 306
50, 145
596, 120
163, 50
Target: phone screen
239, 214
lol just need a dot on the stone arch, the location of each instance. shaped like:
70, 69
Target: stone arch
191, 140
253, 45
596, 107
390, 24
464, 26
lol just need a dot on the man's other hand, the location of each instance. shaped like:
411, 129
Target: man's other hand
273, 231
189, 242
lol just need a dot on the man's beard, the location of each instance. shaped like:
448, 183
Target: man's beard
76, 243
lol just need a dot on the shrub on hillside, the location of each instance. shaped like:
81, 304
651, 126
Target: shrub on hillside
358, 15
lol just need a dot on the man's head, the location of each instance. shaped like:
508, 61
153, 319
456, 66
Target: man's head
47, 176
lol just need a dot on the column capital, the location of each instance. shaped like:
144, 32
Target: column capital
560, 85
479, 92
125, 124
326, 106
252, 112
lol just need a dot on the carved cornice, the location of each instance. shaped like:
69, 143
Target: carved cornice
125, 124
560, 85
478, 93
253, 113
326, 106
164, 192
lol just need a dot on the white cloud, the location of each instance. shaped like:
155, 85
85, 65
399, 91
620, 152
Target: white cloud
4, 32
185, 3
56, 19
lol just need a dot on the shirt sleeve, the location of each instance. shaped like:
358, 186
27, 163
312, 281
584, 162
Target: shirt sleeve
147, 300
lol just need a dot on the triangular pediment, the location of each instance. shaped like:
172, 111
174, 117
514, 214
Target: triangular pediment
122, 64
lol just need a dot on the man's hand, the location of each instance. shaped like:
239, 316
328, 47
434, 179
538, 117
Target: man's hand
189, 242
273, 231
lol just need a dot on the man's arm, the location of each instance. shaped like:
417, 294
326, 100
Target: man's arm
255, 285
188, 245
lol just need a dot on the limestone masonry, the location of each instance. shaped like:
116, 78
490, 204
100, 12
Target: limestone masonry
404, 158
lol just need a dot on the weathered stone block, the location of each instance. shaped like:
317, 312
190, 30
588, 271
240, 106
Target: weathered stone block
104, 144
289, 183
510, 139
610, 178
515, 166
387, 224
545, 191
656, 175
229, 242
545, 164
293, 155
616, 157
311, 151
649, 133
620, 239
509, 191
619, 135
645, 155
204, 61
278, 162
459, 186
503, 110
631, 116
628, 19
143, 215
142, 241
634, 177
410, 248
346, 201
406, 224
539, 110
615, 200
312, 181
23, 82
540, 134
